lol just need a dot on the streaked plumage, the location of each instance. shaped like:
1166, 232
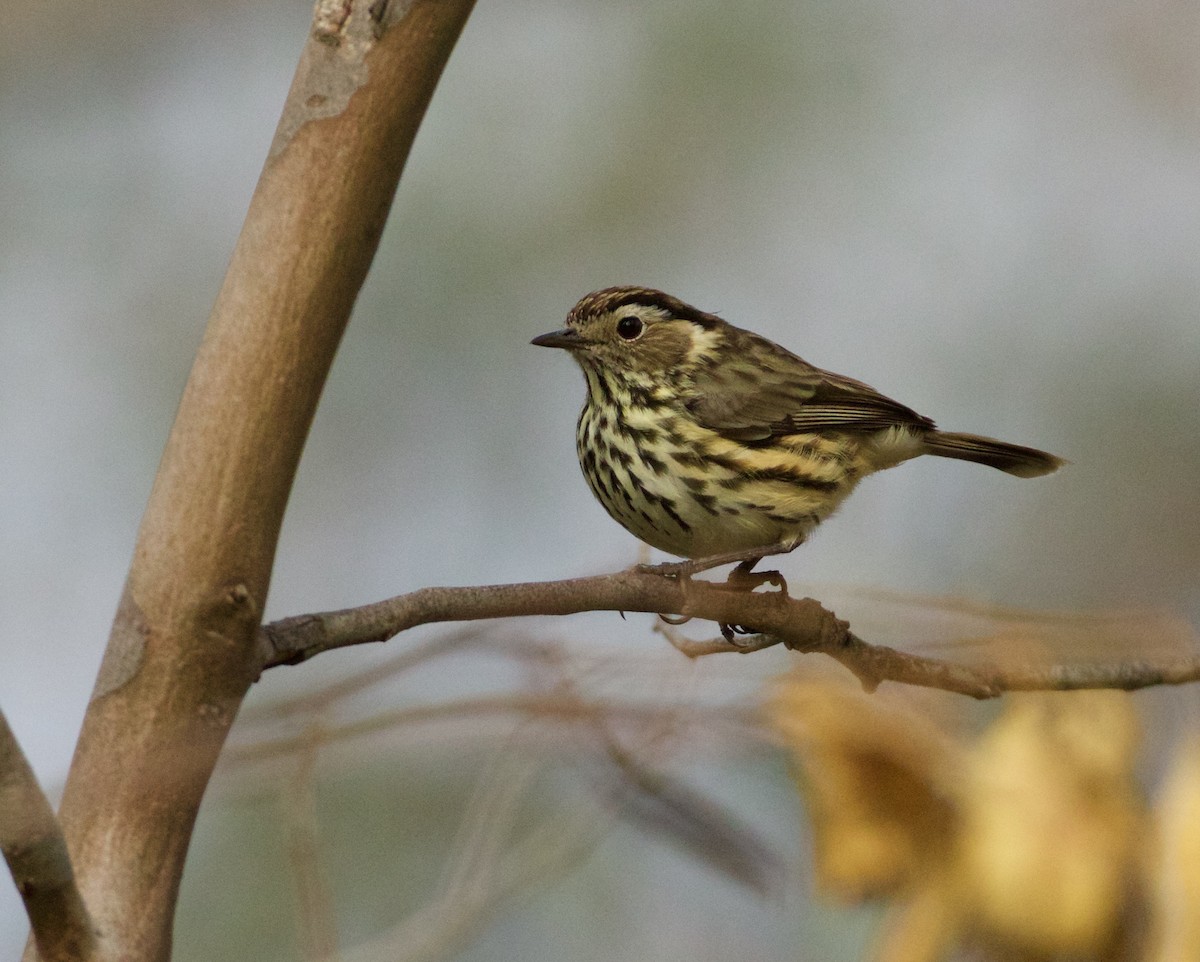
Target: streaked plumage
702, 438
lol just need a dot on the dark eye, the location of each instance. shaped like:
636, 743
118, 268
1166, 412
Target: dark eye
630, 327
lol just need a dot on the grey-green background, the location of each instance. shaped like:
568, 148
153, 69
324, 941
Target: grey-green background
988, 211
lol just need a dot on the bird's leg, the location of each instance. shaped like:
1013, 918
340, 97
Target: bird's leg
746, 559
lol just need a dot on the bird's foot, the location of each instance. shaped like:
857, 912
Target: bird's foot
744, 578
741, 578
730, 633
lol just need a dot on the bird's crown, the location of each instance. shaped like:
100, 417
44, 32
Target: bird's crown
610, 299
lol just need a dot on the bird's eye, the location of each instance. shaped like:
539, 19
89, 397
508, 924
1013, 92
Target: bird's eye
630, 327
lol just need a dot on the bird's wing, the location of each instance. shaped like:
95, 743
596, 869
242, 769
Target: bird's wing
765, 391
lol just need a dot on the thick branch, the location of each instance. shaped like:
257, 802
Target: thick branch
181, 655
36, 852
802, 625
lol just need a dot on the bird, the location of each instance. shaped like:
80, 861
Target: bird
717, 445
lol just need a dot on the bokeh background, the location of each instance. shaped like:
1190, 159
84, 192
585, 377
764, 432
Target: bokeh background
990, 212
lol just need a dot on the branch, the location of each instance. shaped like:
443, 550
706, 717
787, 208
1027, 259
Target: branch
181, 655
800, 624
801, 621
36, 852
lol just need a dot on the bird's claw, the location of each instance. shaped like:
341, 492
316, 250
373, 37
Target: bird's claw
743, 579
729, 632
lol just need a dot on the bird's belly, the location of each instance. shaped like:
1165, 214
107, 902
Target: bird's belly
700, 496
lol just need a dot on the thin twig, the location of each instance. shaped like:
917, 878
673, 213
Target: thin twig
800, 624
668, 808
315, 917
36, 852
697, 648
554, 705
491, 864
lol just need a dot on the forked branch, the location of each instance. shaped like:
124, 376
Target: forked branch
800, 624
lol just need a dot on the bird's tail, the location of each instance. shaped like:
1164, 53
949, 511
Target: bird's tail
1009, 458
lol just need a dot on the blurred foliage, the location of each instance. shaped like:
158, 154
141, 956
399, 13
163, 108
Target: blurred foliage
1031, 842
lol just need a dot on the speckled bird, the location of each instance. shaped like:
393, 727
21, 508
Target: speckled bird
709, 441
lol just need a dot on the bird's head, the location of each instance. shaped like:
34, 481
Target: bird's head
636, 331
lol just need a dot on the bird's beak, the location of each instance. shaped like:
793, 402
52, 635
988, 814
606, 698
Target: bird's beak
567, 338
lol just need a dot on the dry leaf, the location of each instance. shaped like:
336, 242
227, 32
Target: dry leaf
1175, 870
1025, 845
1051, 824
873, 774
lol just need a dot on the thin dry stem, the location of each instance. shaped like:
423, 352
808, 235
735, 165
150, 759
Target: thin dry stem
315, 918
490, 864
555, 705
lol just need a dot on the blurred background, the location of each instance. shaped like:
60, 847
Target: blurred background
990, 212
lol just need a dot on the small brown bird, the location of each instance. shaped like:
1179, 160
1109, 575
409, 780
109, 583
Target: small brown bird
711, 442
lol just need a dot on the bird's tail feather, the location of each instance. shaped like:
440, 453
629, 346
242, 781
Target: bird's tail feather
1009, 458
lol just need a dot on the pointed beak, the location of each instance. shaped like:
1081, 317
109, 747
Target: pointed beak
567, 338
